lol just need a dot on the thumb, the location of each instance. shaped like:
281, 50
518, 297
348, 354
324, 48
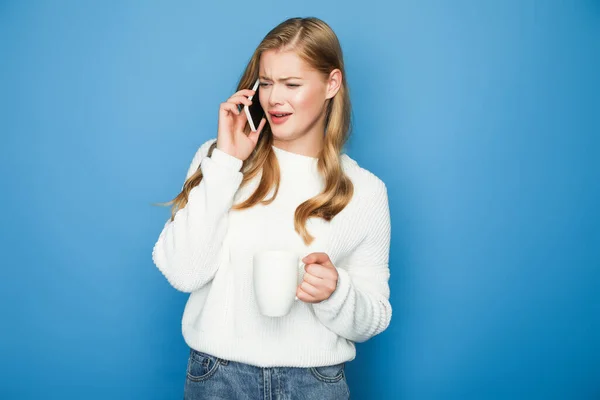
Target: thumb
317, 258
253, 136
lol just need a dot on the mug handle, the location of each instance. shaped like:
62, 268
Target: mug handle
301, 265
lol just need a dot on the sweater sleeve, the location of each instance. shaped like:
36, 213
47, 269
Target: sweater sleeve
188, 249
359, 308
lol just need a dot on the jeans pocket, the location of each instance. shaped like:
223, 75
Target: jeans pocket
201, 366
329, 374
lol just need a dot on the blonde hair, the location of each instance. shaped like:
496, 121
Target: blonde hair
315, 43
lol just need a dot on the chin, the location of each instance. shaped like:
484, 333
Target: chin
281, 134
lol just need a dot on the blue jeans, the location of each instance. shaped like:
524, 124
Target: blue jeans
211, 378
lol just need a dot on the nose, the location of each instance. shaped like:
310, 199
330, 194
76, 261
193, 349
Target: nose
275, 95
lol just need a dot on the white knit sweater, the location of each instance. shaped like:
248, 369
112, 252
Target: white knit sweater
207, 251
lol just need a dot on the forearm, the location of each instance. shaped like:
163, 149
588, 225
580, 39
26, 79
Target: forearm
188, 249
357, 313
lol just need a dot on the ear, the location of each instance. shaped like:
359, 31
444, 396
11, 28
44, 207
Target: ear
334, 82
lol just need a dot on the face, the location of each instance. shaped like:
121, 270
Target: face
294, 96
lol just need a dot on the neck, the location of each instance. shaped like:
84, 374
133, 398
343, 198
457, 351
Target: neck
308, 144
302, 146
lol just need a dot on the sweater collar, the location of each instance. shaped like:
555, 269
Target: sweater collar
287, 157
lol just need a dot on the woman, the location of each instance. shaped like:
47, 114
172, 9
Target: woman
286, 186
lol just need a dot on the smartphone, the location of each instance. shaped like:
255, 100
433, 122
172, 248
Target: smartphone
255, 112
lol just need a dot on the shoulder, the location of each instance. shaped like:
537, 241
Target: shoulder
366, 184
201, 153
370, 198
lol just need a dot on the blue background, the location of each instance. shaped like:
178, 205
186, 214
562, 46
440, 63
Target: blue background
481, 117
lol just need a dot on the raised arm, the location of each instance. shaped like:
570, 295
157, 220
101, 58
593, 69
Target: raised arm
188, 250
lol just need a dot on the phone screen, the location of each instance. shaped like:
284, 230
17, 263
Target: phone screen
256, 111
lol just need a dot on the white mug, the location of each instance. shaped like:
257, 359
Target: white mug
276, 275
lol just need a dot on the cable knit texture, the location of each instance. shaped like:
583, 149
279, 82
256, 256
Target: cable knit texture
207, 251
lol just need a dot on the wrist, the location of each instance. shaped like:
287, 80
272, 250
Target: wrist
225, 159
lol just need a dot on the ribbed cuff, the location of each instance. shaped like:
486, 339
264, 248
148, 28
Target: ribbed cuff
226, 160
331, 307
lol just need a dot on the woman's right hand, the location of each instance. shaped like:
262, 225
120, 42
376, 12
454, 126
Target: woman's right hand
231, 137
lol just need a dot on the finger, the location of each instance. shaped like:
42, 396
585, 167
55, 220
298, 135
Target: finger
317, 258
240, 121
228, 107
253, 136
325, 286
244, 92
305, 297
314, 280
310, 289
239, 100
321, 271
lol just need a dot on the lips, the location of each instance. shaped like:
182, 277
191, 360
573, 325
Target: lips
279, 117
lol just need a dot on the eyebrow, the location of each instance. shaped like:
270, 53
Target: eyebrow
280, 79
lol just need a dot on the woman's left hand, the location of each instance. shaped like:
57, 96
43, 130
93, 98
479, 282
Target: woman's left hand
320, 279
